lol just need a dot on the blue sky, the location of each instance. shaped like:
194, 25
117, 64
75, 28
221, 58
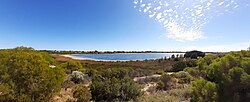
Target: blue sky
110, 25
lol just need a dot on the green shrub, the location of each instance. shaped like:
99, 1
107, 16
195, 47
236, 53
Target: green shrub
112, 89
26, 75
165, 82
204, 91
225, 78
82, 93
179, 66
72, 66
183, 77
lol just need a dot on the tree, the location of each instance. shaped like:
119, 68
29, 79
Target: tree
177, 56
173, 56
194, 54
25, 75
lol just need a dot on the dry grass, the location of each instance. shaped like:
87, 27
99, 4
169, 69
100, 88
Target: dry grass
174, 95
64, 96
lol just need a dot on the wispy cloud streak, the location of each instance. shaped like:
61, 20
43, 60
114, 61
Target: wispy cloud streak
184, 19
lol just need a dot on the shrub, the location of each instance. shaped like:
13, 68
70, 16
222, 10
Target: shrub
184, 77
112, 89
82, 93
165, 82
72, 66
204, 91
179, 66
78, 77
26, 75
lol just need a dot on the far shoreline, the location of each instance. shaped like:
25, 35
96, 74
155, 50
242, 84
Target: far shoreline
90, 59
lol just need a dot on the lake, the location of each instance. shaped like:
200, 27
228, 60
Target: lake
126, 56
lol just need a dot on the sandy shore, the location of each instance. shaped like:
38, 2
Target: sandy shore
80, 58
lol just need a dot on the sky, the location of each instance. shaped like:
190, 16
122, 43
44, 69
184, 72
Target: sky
108, 25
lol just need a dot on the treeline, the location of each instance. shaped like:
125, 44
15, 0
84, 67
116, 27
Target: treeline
189, 53
105, 52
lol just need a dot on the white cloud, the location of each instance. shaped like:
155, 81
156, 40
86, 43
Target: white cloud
157, 8
221, 3
184, 20
143, 5
146, 9
152, 15
136, 1
158, 17
236, 6
181, 34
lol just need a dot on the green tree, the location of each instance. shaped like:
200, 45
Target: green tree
194, 54
173, 56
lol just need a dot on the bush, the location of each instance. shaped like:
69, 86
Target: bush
112, 89
191, 63
194, 72
225, 79
184, 77
179, 66
165, 82
26, 75
82, 93
67, 84
72, 66
78, 77
204, 91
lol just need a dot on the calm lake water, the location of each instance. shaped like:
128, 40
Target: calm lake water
126, 56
